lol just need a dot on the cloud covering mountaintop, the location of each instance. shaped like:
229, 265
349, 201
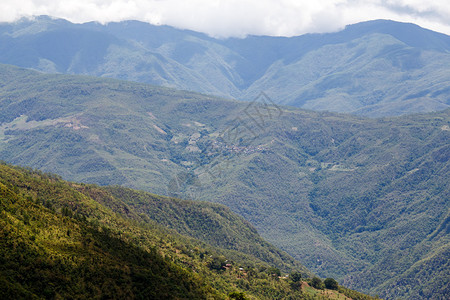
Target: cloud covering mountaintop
233, 18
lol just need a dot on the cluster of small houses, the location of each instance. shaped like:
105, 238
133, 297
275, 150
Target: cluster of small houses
239, 149
230, 266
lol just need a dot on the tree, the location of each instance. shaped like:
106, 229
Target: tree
217, 263
317, 283
237, 296
295, 276
331, 284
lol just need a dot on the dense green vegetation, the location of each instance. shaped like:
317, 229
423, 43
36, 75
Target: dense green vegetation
55, 243
212, 223
376, 68
364, 201
58, 242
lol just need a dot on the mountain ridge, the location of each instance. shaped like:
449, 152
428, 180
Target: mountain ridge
357, 70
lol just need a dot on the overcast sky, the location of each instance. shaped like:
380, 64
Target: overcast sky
224, 18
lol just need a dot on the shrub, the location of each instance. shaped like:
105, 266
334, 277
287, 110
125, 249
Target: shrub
317, 283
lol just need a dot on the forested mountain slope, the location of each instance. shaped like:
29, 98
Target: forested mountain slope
375, 68
362, 200
67, 240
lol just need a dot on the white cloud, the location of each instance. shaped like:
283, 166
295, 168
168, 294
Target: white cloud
223, 18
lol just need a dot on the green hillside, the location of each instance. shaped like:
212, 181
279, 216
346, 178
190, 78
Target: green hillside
362, 200
58, 242
211, 223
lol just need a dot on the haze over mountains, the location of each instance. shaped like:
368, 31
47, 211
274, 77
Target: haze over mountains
375, 68
361, 200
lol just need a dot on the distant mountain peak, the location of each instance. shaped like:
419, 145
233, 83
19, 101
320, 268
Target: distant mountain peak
409, 33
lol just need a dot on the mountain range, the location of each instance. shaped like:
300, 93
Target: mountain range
375, 68
362, 200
